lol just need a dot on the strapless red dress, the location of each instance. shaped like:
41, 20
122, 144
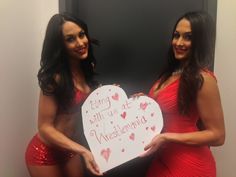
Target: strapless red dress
178, 160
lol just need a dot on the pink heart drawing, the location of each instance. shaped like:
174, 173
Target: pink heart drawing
131, 136
153, 128
123, 115
143, 106
105, 153
115, 97
115, 125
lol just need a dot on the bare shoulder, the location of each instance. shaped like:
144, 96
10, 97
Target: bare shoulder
208, 75
209, 85
47, 102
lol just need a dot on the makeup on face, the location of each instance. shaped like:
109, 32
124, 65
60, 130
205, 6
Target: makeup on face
182, 40
76, 41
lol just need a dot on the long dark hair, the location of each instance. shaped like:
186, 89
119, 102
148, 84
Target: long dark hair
54, 75
201, 57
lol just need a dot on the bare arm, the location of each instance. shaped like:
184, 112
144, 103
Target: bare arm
211, 113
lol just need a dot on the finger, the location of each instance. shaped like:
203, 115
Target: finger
95, 166
147, 153
135, 96
93, 170
118, 85
148, 146
143, 154
141, 94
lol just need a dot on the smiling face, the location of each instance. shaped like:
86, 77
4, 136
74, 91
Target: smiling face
181, 41
75, 40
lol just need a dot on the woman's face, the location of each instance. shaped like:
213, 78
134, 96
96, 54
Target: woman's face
75, 40
181, 41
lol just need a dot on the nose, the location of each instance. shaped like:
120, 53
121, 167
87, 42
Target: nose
179, 41
79, 41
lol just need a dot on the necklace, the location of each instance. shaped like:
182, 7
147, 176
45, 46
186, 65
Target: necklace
177, 72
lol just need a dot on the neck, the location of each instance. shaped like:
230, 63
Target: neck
177, 71
77, 73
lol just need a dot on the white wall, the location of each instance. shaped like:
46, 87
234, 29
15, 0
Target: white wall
225, 64
22, 25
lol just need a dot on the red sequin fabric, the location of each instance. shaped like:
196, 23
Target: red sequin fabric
38, 153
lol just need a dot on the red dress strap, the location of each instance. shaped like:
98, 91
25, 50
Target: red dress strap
210, 73
80, 96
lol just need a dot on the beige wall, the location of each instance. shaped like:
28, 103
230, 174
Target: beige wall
22, 28
225, 68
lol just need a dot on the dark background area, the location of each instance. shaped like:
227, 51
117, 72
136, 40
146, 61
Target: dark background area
135, 36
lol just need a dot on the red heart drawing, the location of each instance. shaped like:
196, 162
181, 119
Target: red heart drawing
131, 136
105, 153
115, 97
143, 106
153, 128
123, 115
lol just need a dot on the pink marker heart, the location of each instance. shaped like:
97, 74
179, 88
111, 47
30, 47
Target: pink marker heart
153, 128
131, 136
123, 115
105, 153
143, 106
115, 97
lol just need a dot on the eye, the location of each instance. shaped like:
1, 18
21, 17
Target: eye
188, 36
70, 38
176, 35
82, 34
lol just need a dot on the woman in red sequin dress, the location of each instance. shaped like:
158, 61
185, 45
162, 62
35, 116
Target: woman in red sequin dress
187, 92
65, 78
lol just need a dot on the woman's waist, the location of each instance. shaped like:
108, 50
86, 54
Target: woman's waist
66, 130
179, 152
179, 128
67, 124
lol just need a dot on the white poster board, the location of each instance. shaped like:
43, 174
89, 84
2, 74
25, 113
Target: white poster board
117, 128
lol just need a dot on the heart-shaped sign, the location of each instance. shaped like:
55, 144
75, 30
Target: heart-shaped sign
117, 128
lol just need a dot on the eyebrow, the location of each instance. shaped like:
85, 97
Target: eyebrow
72, 34
188, 32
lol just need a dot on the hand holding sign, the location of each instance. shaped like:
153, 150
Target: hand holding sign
117, 128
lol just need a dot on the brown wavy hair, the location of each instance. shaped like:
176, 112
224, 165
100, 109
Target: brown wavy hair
201, 57
54, 75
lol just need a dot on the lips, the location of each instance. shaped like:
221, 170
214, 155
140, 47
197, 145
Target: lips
180, 51
81, 50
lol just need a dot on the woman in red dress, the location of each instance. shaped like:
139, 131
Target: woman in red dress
65, 78
187, 92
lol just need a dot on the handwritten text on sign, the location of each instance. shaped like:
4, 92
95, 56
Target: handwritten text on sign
118, 128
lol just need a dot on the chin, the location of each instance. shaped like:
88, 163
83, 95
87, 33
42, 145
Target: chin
83, 57
181, 57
